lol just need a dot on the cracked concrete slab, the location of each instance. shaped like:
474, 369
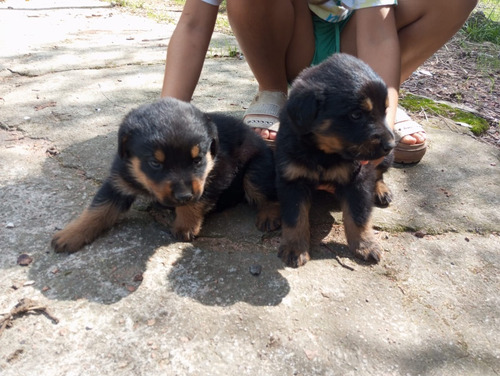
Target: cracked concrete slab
136, 302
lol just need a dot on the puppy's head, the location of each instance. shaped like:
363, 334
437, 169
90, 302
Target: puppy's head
169, 148
340, 107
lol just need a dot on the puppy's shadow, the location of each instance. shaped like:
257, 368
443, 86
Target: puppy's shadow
110, 268
223, 278
230, 263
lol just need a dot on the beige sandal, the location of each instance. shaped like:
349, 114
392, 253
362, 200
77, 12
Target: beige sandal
264, 110
404, 126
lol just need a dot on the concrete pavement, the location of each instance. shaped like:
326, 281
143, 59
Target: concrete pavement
136, 302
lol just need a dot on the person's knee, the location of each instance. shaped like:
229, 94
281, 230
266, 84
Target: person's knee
460, 7
457, 12
463, 9
469, 5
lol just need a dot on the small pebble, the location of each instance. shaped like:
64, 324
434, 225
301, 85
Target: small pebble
24, 260
420, 234
255, 269
9, 225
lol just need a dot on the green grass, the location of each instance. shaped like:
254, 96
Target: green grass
416, 103
134, 4
484, 23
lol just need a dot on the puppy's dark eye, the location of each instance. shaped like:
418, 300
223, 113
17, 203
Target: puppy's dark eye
355, 115
197, 161
154, 164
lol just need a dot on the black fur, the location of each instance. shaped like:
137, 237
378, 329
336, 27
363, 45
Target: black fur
180, 157
333, 121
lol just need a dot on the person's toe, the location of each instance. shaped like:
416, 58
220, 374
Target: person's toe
409, 140
420, 137
414, 138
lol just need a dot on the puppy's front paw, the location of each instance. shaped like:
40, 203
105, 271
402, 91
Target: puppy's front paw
184, 234
368, 250
293, 257
269, 218
185, 231
383, 195
188, 221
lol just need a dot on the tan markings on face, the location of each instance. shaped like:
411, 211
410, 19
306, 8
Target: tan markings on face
198, 184
329, 144
159, 190
367, 104
293, 171
195, 151
159, 155
386, 102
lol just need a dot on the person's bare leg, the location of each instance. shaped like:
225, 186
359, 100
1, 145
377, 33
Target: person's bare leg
423, 27
276, 38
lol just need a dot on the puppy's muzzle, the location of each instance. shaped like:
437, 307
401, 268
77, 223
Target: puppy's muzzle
182, 193
386, 142
378, 145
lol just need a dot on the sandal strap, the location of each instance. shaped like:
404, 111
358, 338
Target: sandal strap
269, 109
264, 110
404, 125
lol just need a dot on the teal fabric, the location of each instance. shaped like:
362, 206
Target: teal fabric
326, 37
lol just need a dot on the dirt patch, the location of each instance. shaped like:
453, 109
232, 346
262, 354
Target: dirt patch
465, 74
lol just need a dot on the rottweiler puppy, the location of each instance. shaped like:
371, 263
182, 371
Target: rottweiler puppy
180, 157
333, 123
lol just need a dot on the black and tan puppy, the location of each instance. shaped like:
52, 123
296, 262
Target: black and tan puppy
333, 123
180, 157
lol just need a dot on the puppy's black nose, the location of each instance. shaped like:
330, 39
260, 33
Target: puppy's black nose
388, 145
183, 196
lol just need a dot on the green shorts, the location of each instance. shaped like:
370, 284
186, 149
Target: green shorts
326, 37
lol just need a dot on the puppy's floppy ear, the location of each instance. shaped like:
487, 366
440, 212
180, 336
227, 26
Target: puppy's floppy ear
303, 108
123, 143
214, 146
212, 133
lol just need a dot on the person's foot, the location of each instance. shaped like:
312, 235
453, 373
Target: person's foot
411, 139
263, 113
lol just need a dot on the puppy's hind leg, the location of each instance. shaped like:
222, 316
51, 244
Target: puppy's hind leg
260, 190
101, 215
